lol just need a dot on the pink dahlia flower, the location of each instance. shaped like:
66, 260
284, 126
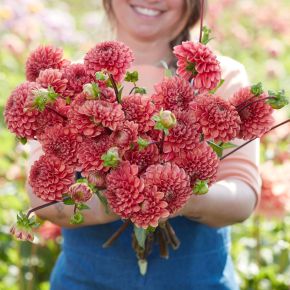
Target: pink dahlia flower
219, 120
90, 153
196, 61
104, 114
42, 58
22, 122
152, 209
124, 190
76, 76
139, 109
201, 163
256, 119
50, 178
143, 157
184, 136
61, 142
125, 135
49, 231
172, 181
80, 192
173, 94
52, 78
113, 57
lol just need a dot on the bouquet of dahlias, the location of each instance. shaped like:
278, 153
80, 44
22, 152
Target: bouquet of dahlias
143, 155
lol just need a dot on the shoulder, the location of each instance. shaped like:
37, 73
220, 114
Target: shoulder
234, 75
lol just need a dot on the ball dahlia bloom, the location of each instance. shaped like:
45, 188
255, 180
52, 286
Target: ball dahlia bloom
124, 190
61, 142
90, 152
173, 94
219, 120
125, 135
139, 109
171, 180
196, 61
256, 119
52, 78
184, 136
200, 164
42, 58
22, 122
76, 76
113, 57
152, 209
50, 178
103, 113
143, 158
80, 192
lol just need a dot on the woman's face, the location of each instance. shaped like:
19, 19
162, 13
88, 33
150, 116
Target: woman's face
149, 19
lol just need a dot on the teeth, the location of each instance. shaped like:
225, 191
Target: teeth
146, 11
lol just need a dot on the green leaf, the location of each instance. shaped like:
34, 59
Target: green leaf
142, 143
77, 218
257, 89
111, 158
82, 206
140, 235
218, 86
150, 230
206, 35
191, 67
22, 140
139, 90
119, 97
100, 76
227, 145
68, 201
132, 77
143, 264
216, 148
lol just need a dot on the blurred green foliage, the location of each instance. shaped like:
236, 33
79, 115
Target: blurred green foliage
256, 33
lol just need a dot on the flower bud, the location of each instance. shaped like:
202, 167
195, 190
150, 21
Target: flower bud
167, 119
80, 192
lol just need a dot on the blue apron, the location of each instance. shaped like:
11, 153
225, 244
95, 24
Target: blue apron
202, 261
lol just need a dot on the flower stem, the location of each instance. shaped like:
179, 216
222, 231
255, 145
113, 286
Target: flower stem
201, 19
162, 143
116, 235
246, 143
40, 207
114, 87
251, 103
132, 90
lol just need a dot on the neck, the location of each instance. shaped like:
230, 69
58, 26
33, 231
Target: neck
147, 52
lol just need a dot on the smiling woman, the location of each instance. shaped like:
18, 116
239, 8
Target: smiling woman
151, 28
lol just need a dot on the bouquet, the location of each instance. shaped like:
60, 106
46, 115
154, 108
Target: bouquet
142, 155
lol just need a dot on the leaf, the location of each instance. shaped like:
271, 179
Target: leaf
200, 187
218, 86
142, 266
140, 235
139, 90
257, 89
228, 145
68, 201
216, 148
132, 77
206, 35
82, 206
142, 143
168, 73
119, 97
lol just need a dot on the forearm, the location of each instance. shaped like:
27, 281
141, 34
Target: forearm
226, 203
60, 214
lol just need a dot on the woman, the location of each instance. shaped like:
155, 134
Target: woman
151, 28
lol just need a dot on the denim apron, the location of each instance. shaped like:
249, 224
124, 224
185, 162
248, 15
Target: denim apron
202, 261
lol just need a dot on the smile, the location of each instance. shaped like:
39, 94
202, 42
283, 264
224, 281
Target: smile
146, 11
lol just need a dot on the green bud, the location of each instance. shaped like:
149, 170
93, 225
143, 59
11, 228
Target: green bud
100, 76
111, 158
257, 89
200, 187
77, 218
278, 100
206, 35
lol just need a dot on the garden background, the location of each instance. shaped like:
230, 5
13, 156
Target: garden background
254, 32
